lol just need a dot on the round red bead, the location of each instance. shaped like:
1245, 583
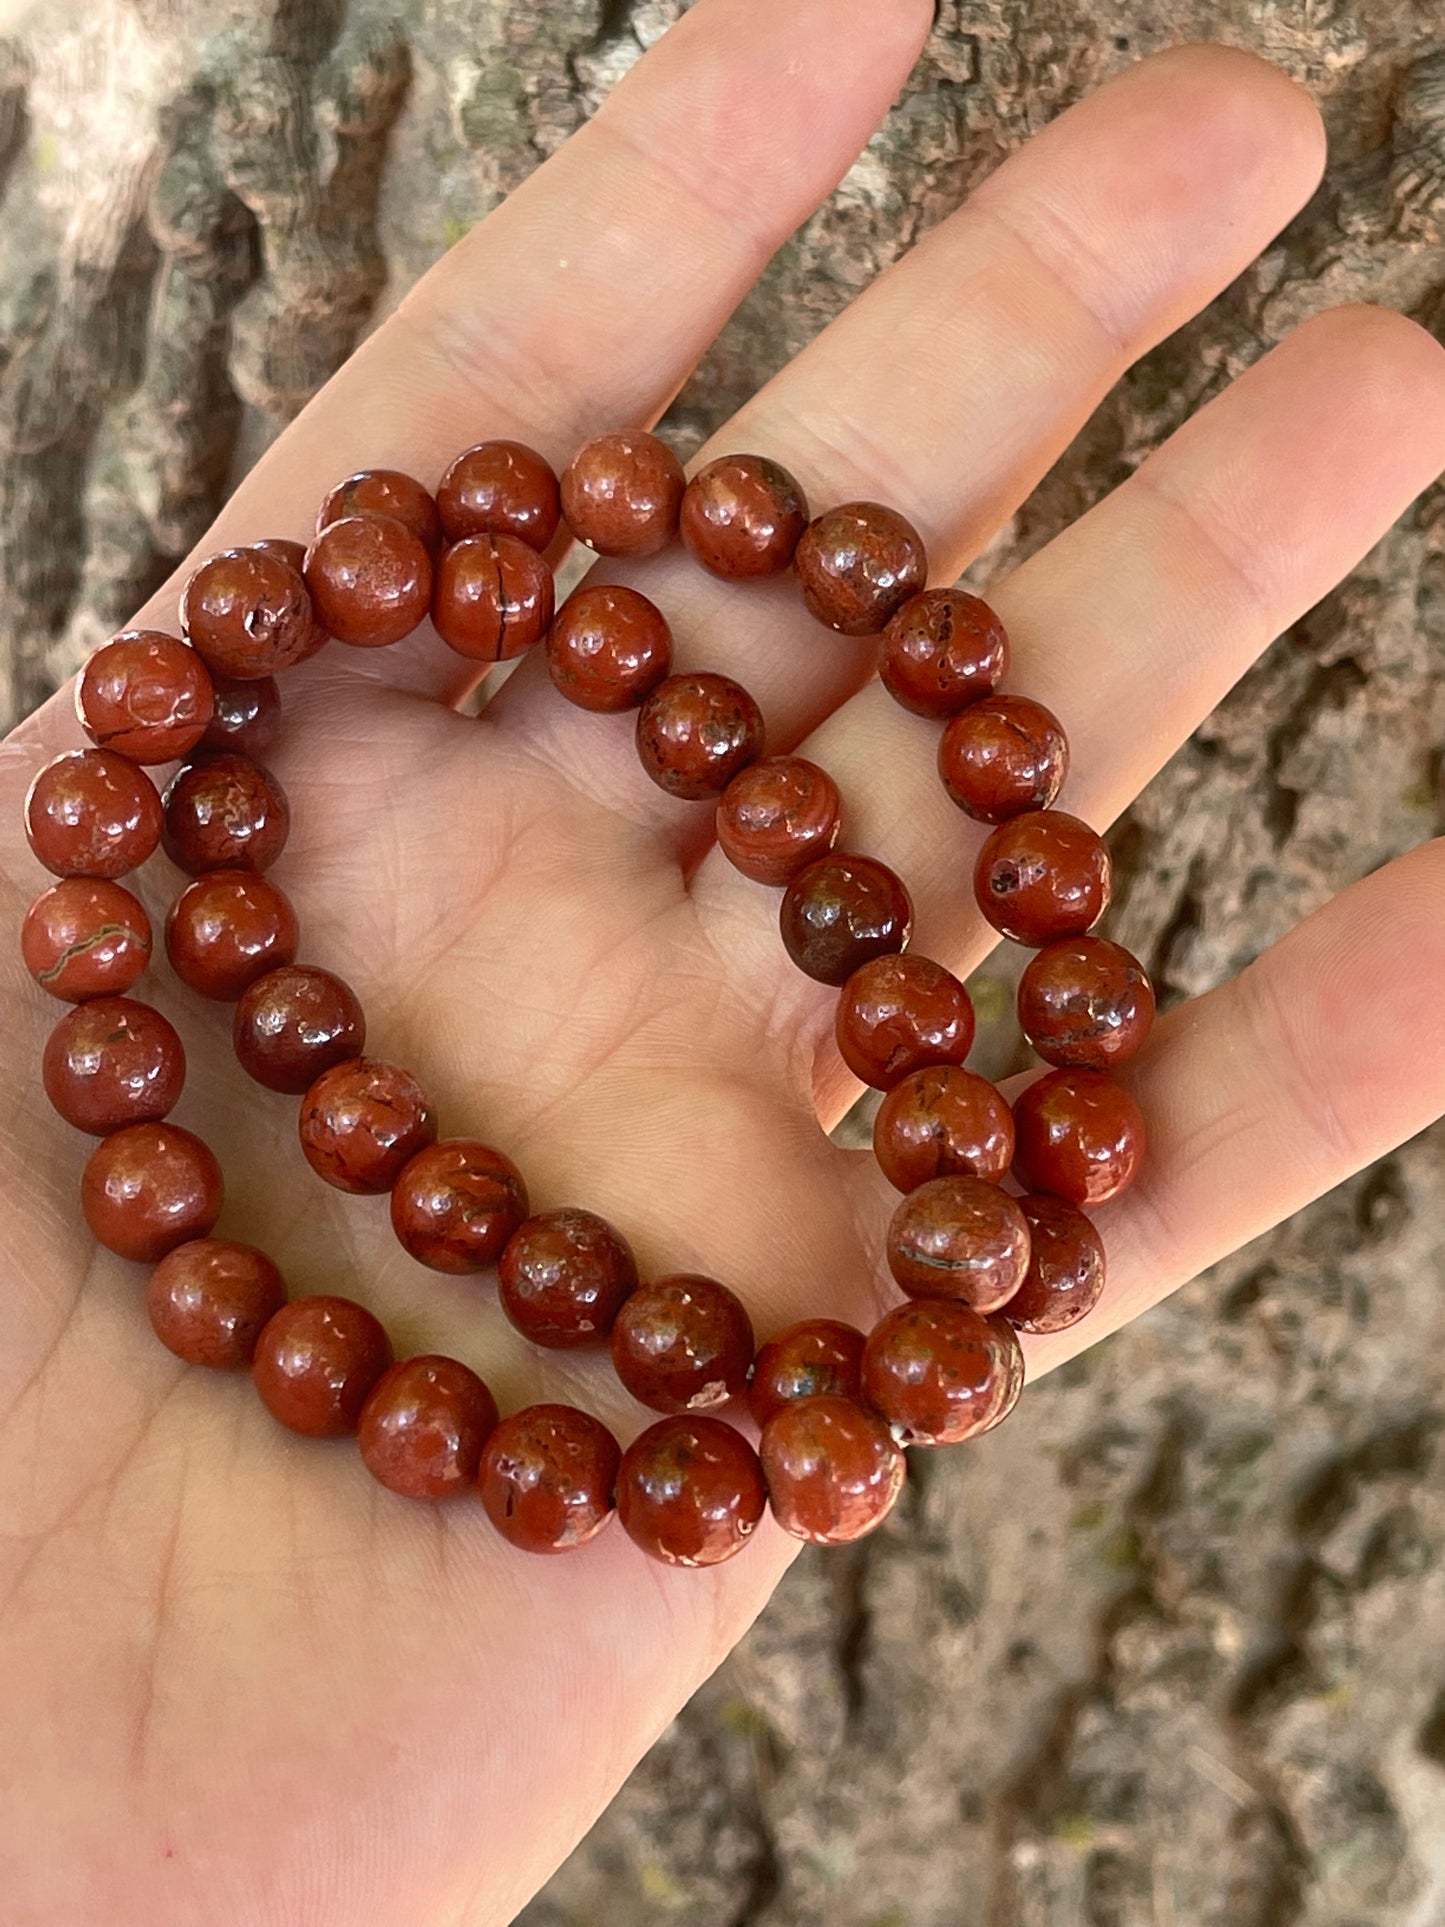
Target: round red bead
92, 813
361, 1122
833, 1469
226, 813
942, 650
683, 1344
1085, 1002
622, 494
294, 1023
1080, 1136
423, 1426
113, 1061
1002, 757
246, 717
690, 1491
146, 695
839, 912
370, 580
293, 554
385, 491
315, 1362
148, 1188
209, 1299
943, 1122
694, 733
500, 488
1065, 1277
608, 648
85, 937
940, 1373
776, 816
227, 929
547, 1478
858, 564
455, 1204
743, 516
959, 1238
563, 1278
818, 1357
493, 599
898, 1014
248, 613
1043, 876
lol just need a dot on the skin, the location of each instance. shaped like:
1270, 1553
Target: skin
248, 1683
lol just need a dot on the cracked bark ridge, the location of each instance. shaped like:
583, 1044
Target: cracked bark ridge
1186, 1683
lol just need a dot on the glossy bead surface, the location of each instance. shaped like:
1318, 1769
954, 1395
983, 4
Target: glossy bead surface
423, 1426
943, 650
959, 1238
248, 613
295, 1022
1043, 876
547, 1478
816, 1358
943, 1122
227, 929
85, 937
858, 565
839, 912
833, 1469
92, 813
776, 816
500, 488
493, 599
690, 1491
370, 580
683, 1344
209, 1299
622, 494
1065, 1278
1080, 1136
564, 1276
898, 1014
1085, 1002
385, 491
293, 554
940, 1373
455, 1204
246, 717
315, 1363
1002, 757
361, 1122
743, 516
148, 1188
226, 813
113, 1061
146, 695
694, 733
608, 648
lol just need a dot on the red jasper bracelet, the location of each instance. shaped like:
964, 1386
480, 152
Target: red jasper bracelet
976, 1264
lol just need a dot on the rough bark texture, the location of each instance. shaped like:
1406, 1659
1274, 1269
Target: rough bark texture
1164, 1650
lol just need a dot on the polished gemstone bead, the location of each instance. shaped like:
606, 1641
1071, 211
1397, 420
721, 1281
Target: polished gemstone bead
839, 912
743, 516
548, 1476
858, 565
500, 488
1085, 1002
1065, 1277
959, 1238
622, 494
682, 1344
694, 733
777, 815
563, 1278
85, 937
494, 597
209, 1299
315, 1362
1080, 1136
897, 1014
113, 1061
227, 929
943, 1122
293, 554
248, 613
455, 1204
690, 1491
385, 491
362, 1121
1043, 876
370, 580
833, 1469
423, 1426
146, 695
1003, 756
246, 717
819, 1357
293, 1024
226, 813
940, 1372
608, 648
92, 813
148, 1188
943, 650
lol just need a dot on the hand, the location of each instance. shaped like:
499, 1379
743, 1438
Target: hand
240, 1680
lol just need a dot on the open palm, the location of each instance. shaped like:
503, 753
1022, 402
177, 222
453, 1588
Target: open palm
243, 1682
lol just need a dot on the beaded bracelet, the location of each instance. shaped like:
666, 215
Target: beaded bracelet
976, 1264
